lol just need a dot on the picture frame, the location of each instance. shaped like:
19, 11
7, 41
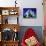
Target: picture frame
12, 20
5, 12
13, 12
7, 34
29, 12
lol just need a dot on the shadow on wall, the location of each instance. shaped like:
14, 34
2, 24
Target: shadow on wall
38, 30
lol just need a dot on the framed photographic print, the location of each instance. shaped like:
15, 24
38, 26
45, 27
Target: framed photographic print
7, 34
29, 13
12, 20
5, 12
13, 12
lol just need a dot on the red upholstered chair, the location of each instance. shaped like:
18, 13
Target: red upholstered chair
29, 33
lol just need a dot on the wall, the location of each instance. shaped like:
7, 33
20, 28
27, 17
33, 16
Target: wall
33, 4
27, 4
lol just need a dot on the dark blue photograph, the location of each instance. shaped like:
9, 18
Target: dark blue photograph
29, 13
